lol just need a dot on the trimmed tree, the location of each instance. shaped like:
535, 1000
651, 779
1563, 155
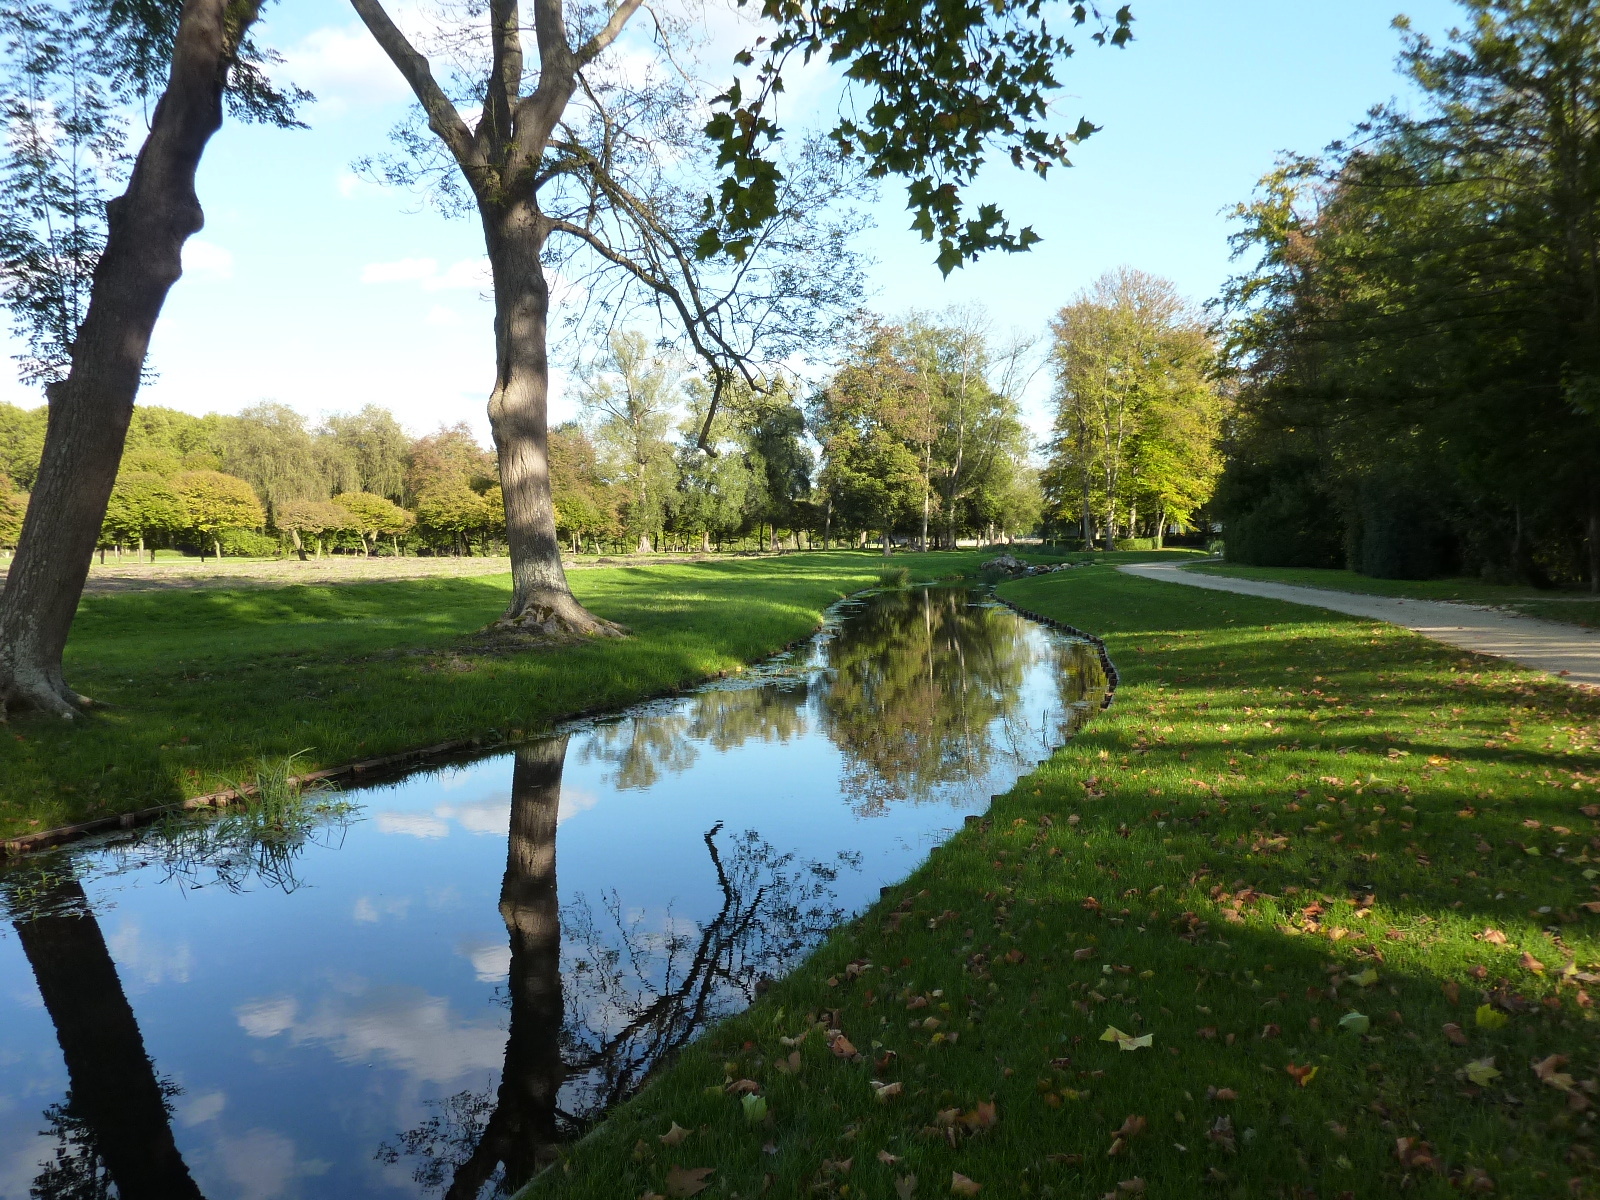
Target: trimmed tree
214, 502
373, 517
313, 518
142, 503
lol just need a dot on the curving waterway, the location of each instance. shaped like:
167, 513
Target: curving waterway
442, 977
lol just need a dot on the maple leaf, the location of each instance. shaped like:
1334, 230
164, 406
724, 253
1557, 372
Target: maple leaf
1530, 963
1301, 1075
1549, 1071
1494, 937
674, 1135
842, 1046
960, 1185
888, 1159
1355, 1022
1481, 1071
688, 1181
1489, 1017
1454, 1035
905, 1187
885, 1092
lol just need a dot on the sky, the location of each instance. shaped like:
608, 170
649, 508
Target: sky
314, 288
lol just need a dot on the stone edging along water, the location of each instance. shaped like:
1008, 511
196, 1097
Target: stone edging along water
28, 843
1106, 665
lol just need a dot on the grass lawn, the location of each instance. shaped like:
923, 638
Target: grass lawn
1573, 607
1327, 878
207, 682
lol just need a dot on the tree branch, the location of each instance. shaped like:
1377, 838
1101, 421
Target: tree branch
414, 68
609, 34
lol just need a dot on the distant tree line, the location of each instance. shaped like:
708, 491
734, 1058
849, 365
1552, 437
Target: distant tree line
1417, 333
915, 436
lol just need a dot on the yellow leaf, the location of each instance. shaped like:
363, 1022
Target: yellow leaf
1366, 979
1136, 1043
1113, 1034
1489, 1017
1482, 1071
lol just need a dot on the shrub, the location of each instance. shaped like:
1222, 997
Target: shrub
894, 577
1134, 544
246, 543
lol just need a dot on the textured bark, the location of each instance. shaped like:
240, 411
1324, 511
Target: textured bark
146, 228
522, 1132
114, 1087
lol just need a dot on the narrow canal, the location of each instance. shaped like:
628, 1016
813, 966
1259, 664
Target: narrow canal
438, 978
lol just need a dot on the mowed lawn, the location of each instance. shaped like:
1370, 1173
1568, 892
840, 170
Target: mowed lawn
1310, 911
203, 684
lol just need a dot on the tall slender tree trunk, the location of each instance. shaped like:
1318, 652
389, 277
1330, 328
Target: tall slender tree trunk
113, 1081
514, 233
521, 1132
146, 228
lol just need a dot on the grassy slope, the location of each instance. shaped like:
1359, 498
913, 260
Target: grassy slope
205, 682
1280, 802
1575, 608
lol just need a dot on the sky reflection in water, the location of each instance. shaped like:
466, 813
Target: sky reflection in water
425, 1009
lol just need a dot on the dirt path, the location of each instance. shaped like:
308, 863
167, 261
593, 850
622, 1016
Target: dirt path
1568, 651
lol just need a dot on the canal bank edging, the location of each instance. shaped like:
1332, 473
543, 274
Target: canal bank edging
1106, 665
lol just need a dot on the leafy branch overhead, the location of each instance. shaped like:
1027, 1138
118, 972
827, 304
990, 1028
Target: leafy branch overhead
949, 82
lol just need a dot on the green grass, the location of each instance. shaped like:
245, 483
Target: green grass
205, 684
1287, 817
1572, 607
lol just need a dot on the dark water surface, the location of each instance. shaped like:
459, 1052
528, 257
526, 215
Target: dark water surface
427, 992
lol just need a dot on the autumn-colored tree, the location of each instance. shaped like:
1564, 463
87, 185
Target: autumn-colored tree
448, 457
214, 502
449, 513
311, 518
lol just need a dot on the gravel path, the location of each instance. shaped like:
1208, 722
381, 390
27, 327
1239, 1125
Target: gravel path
1567, 651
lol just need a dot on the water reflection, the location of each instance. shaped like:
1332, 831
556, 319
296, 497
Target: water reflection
114, 1126
353, 1017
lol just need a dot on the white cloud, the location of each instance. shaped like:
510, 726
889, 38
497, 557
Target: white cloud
266, 1018
197, 1110
201, 257
419, 825
263, 1164
491, 961
444, 317
482, 816
404, 270
469, 274
574, 801
144, 963
369, 911
344, 67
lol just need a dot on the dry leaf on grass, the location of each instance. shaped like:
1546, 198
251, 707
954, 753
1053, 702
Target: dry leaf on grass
674, 1135
905, 1187
688, 1181
960, 1185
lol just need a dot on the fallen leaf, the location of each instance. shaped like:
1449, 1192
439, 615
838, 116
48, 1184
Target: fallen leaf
842, 1046
1415, 1154
1452, 992
742, 1087
1475, 1179
1131, 1187
1355, 1022
841, 1167
1065, 1160
960, 1185
885, 1092
1137, 1043
1086, 952
1112, 1034
888, 1159
1530, 963
755, 1109
1481, 1071
1494, 937
984, 1116
1301, 1075
674, 1135
688, 1181
1366, 979
905, 1187
1453, 1033
1549, 1071
1132, 1127
1489, 1017
1216, 1093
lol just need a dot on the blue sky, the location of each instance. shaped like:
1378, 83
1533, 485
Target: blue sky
315, 289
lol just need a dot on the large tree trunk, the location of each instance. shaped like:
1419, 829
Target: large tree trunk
113, 1081
541, 599
521, 1133
146, 228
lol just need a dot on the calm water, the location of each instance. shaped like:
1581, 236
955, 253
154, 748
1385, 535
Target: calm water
425, 994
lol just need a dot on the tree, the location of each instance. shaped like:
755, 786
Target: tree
214, 502
375, 449
871, 477
373, 517
311, 518
450, 456
205, 52
13, 506
143, 504
449, 513
268, 446
1136, 412
585, 503
21, 442
631, 398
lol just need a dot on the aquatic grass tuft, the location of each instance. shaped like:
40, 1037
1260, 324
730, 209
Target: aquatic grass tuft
894, 577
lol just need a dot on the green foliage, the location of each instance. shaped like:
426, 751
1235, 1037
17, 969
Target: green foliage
1418, 313
630, 399
449, 512
214, 501
143, 505
944, 87
586, 505
247, 543
1138, 409
13, 508
21, 443
1278, 514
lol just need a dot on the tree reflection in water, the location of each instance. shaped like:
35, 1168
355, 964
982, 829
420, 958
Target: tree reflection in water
588, 1022
114, 1126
